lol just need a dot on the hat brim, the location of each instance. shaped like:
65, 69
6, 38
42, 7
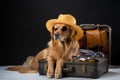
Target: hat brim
52, 22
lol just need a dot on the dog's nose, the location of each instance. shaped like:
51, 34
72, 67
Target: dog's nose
56, 35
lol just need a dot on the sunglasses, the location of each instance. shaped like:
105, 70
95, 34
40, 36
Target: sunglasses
63, 28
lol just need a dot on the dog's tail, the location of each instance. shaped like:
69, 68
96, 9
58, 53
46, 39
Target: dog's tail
29, 66
22, 69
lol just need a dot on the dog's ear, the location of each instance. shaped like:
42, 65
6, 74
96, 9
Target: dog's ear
73, 33
52, 34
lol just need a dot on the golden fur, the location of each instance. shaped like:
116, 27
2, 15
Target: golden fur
61, 48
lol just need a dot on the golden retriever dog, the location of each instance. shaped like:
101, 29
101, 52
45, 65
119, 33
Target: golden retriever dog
61, 47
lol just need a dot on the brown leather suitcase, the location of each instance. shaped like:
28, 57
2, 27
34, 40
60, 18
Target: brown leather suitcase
85, 68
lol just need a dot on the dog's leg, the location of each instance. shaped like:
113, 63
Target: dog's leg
41, 55
58, 70
50, 71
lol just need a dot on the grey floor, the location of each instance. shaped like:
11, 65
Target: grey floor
113, 74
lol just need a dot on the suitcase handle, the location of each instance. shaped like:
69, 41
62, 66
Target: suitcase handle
72, 69
69, 69
89, 26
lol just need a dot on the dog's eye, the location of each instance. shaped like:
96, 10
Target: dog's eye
55, 28
64, 28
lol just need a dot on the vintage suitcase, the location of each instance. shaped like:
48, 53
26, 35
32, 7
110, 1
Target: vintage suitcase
89, 45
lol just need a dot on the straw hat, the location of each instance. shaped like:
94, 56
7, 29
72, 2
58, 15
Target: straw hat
68, 20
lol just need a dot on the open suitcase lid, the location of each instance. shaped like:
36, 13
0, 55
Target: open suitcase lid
89, 27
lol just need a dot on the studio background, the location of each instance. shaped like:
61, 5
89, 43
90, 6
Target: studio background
23, 24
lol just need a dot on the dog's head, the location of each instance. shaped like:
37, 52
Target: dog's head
62, 32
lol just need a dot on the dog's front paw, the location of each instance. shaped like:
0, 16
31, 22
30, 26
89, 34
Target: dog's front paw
50, 74
58, 75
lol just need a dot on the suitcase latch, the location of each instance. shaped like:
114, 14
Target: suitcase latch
83, 69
